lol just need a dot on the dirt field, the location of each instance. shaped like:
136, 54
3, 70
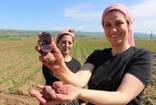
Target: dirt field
15, 99
20, 71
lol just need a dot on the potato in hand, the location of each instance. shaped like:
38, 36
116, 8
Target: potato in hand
45, 38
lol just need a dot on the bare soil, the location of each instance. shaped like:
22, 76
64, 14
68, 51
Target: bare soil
15, 69
15, 99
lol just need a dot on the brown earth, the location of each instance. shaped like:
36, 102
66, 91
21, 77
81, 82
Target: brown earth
21, 96
10, 52
15, 99
19, 99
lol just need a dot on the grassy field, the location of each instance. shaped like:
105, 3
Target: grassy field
20, 69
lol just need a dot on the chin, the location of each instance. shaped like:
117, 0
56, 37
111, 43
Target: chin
66, 53
115, 43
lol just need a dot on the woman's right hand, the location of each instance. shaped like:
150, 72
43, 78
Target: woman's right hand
53, 59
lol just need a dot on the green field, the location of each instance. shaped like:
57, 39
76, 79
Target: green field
9, 38
20, 69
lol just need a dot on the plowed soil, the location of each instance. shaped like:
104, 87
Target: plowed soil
20, 71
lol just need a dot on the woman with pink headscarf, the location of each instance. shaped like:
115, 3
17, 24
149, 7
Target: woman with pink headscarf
115, 76
65, 41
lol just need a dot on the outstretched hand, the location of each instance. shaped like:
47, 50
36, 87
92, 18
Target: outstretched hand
62, 93
41, 96
52, 59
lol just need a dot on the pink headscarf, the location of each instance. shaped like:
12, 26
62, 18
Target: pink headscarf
70, 32
124, 9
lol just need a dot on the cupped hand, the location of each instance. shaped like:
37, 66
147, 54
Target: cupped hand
65, 93
43, 97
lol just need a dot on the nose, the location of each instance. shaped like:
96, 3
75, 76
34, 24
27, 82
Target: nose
114, 29
67, 44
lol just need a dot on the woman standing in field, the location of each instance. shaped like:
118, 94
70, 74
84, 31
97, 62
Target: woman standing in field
115, 76
65, 41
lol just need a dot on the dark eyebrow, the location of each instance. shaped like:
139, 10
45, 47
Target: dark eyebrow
119, 20
106, 22
115, 21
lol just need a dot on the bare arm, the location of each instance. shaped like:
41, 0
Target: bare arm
55, 61
127, 91
79, 79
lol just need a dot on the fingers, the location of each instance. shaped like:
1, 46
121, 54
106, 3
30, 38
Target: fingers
38, 95
49, 97
39, 34
71, 30
40, 86
34, 92
40, 98
54, 47
39, 42
38, 49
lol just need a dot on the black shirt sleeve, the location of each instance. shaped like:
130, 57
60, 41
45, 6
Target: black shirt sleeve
141, 67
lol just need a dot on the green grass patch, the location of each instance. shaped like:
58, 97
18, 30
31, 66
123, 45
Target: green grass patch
9, 38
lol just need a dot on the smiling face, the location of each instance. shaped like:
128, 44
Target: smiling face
116, 28
65, 44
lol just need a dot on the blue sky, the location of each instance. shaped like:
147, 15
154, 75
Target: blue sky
81, 15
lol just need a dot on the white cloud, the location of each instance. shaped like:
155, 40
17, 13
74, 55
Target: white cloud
146, 9
144, 16
78, 28
81, 12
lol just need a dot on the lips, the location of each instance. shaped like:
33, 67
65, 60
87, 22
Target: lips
66, 49
114, 36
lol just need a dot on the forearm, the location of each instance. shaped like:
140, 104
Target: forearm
103, 97
129, 88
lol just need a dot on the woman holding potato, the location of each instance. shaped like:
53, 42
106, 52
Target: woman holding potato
65, 41
115, 76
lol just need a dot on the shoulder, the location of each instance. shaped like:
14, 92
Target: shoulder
98, 54
73, 65
101, 52
141, 64
95, 57
74, 60
142, 52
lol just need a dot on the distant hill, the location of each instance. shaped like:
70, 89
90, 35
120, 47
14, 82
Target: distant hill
78, 34
143, 34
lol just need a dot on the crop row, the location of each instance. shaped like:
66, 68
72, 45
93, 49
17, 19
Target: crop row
20, 69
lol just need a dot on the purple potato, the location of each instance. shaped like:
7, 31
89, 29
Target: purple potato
48, 92
45, 38
57, 84
46, 47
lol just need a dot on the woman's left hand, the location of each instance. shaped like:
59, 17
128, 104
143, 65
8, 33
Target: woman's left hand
66, 93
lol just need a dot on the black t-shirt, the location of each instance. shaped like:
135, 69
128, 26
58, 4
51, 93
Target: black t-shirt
73, 65
109, 70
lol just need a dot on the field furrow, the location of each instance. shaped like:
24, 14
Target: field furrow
21, 70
